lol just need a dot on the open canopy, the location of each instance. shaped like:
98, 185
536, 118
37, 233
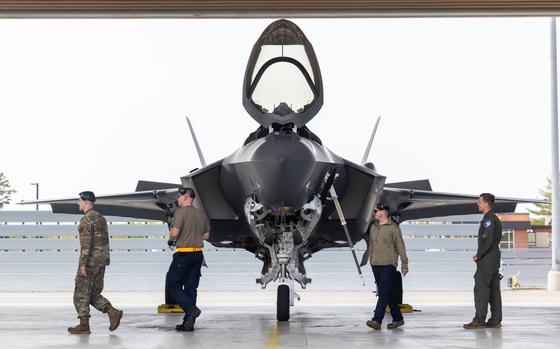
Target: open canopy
282, 80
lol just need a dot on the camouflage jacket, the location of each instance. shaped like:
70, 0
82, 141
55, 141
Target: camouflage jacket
94, 240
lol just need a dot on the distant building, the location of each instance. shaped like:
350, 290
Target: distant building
540, 236
515, 229
517, 232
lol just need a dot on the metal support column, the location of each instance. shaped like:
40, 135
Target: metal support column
554, 274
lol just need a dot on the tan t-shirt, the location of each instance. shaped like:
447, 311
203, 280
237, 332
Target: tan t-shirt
192, 224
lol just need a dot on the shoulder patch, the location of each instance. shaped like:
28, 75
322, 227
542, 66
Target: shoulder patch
487, 223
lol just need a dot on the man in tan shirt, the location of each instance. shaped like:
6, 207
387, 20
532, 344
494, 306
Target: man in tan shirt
189, 229
386, 245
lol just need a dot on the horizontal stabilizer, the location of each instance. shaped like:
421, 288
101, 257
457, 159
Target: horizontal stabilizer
423, 184
148, 185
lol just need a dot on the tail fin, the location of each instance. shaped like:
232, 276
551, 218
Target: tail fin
200, 156
368, 148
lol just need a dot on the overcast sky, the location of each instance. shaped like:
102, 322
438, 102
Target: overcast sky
99, 104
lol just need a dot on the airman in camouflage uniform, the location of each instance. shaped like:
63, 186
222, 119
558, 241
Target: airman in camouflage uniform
94, 256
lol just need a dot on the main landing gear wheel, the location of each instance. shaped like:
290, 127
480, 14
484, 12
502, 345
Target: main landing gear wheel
283, 303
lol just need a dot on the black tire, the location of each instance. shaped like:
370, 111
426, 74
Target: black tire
283, 303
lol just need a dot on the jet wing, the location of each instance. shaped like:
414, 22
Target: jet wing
414, 204
157, 201
143, 204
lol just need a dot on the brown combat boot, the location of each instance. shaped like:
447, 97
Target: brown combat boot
82, 328
395, 324
373, 324
115, 316
473, 325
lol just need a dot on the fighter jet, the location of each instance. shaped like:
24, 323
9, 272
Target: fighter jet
283, 195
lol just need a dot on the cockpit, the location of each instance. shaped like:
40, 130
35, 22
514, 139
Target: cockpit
282, 83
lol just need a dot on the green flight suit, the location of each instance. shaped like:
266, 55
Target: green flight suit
486, 278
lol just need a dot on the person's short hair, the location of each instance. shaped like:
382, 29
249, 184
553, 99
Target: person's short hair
488, 198
187, 191
87, 196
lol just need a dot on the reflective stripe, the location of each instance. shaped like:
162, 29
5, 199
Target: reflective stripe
189, 249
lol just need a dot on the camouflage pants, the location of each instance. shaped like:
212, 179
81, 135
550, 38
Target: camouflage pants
88, 291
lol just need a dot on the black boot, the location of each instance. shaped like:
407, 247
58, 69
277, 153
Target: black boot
188, 322
185, 326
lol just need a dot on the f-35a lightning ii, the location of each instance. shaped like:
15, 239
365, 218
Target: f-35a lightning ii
283, 195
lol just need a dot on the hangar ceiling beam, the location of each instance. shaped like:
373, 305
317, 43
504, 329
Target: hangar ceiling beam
274, 8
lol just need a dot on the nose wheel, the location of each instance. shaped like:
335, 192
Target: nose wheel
283, 303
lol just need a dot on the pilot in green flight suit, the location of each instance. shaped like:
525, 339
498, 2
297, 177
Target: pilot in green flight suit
487, 276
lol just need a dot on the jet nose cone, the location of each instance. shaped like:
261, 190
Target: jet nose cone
282, 171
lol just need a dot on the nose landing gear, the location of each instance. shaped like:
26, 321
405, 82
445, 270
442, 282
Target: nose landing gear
283, 303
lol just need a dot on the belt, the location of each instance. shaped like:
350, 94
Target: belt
189, 249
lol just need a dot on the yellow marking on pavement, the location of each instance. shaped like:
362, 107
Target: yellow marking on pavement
273, 337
